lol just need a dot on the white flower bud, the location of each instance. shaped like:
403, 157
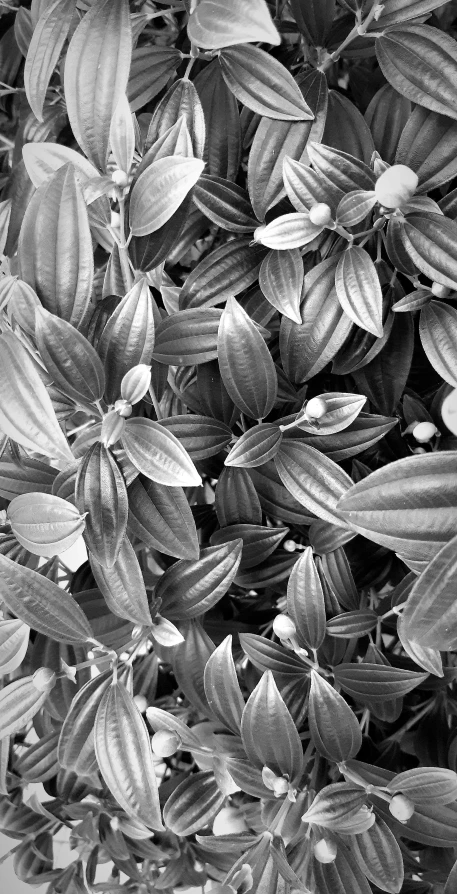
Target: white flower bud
165, 743
44, 679
320, 214
316, 408
396, 186
423, 432
120, 178
401, 808
325, 850
284, 627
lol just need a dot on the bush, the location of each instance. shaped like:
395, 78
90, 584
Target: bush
228, 362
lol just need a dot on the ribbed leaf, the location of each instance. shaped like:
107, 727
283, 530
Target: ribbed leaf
256, 446
44, 524
379, 856
76, 749
430, 614
47, 41
193, 803
342, 409
214, 24
426, 785
438, 334
313, 479
189, 661
305, 601
42, 604
225, 272
160, 190
430, 240
376, 682
14, 639
201, 436
39, 763
124, 756
161, 518
225, 204
43, 159
283, 752
223, 132
122, 585
263, 84
189, 588
246, 365
281, 279
259, 541
359, 290
334, 728
150, 71
156, 453
222, 688
69, 357
188, 337
92, 89
100, 492
426, 146
19, 702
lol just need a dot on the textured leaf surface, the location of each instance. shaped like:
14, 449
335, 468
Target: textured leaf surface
246, 365
189, 588
313, 479
100, 491
157, 454
334, 728
47, 41
213, 24
282, 753
263, 84
160, 190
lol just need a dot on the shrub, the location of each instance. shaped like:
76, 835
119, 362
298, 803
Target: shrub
228, 363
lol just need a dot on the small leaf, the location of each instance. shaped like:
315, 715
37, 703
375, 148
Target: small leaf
43, 159
225, 204
263, 84
379, 856
334, 728
69, 357
342, 409
430, 240
282, 753
189, 588
156, 453
213, 25
48, 38
305, 601
334, 804
160, 190
101, 494
122, 135
246, 365
44, 524
124, 756
76, 748
14, 639
255, 447
359, 290
222, 688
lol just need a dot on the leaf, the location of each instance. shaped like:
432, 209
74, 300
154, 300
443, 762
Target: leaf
438, 334
160, 719
425, 657
334, 728
281, 279
409, 506
42, 604
222, 151
222, 688
201, 436
193, 803
150, 71
124, 756
92, 89
383, 379
55, 246
342, 169
263, 84
313, 479
44, 524
181, 99
305, 601
246, 365
306, 187
430, 242
26, 412
342, 410
70, 359
122, 135
430, 614
14, 639
288, 231
76, 748
189, 660
379, 856
396, 11
335, 803
346, 128
224, 272
376, 682
387, 101
236, 500
39, 763
421, 63
156, 453
100, 492
213, 25
188, 337
225, 204
255, 447
426, 145
122, 585
162, 519
42, 160
359, 290
160, 190
19, 702
258, 541
47, 41
282, 753
343, 874
353, 623
426, 785
189, 588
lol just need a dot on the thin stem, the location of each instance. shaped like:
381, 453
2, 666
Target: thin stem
155, 402
359, 29
123, 251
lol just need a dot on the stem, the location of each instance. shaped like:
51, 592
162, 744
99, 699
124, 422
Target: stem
155, 402
359, 29
123, 251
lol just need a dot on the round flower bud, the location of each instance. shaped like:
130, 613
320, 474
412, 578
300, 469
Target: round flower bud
123, 408
165, 743
141, 703
439, 290
401, 808
424, 432
281, 787
44, 679
290, 546
112, 428
320, 214
396, 186
284, 626
120, 178
325, 850
316, 408
135, 383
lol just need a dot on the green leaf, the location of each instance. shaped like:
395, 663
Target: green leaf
409, 506
421, 63
55, 246
100, 492
305, 601
122, 585
246, 365
430, 240
162, 519
281, 279
42, 604
263, 84
156, 453
255, 447
193, 803
376, 682
201, 436
222, 688
47, 41
189, 588
124, 756
359, 290
313, 479
160, 190
188, 338
69, 357
438, 334
426, 785
283, 752
334, 728
19, 702
346, 129
92, 89
379, 856
14, 639
236, 499
334, 804
26, 412
426, 146
44, 524
213, 25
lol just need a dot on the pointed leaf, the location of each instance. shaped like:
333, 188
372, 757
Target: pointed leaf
48, 38
430, 240
335, 803
76, 749
188, 337
246, 365
70, 359
150, 71
193, 804
14, 639
19, 702
214, 25
281, 279
43, 159
438, 334
93, 90
313, 479
305, 601
430, 614
255, 447
189, 588
100, 492
44, 524
379, 856
122, 585
376, 682
225, 272
160, 190
156, 453
122, 135
201, 436
161, 518
222, 688
359, 290
124, 756
282, 753
263, 84
189, 661
225, 204
334, 728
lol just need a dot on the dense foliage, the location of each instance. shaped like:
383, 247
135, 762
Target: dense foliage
228, 362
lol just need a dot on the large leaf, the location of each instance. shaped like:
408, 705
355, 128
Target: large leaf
76, 749
122, 585
44, 524
334, 728
421, 63
100, 491
181, 99
376, 682
193, 803
226, 271
189, 661
378, 854
283, 752
189, 588
14, 639
246, 365
93, 89
225, 203
161, 518
305, 601
313, 479
430, 614
426, 146
213, 24
70, 359
255, 447
430, 240
188, 337
263, 84
409, 506
156, 453
359, 290
43, 159
26, 412
160, 190
55, 246
124, 756
42, 604
236, 500
438, 334
47, 41
222, 688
